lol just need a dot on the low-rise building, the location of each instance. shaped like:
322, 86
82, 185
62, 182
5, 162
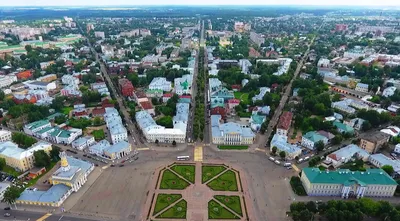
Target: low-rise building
39, 85
36, 126
99, 147
3, 187
346, 183
7, 80
344, 155
311, 138
389, 91
160, 83
362, 87
260, 96
118, 150
343, 128
355, 123
392, 131
5, 135
373, 141
379, 160
230, 133
114, 124
83, 142
284, 123
126, 87
280, 142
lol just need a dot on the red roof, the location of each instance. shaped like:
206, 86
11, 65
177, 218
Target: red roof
333, 156
98, 111
234, 101
285, 120
146, 105
236, 86
185, 96
24, 74
168, 95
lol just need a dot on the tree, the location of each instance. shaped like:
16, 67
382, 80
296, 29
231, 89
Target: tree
282, 154
274, 149
60, 119
388, 169
55, 153
319, 146
41, 158
174, 143
11, 194
2, 163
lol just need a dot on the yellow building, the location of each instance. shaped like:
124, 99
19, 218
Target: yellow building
21, 159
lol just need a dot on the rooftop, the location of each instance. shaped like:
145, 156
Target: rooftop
53, 195
285, 120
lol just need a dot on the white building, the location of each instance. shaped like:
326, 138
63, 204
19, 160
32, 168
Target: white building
230, 133
99, 147
39, 85
280, 142
345, 154
5, 135
183, 85
215, 84
389, 91
362, 87
260, 96
323, 63
160, 83
309, 140
36, 126
114, 124
83, 142
3, 187
379, 160
99, 34
397, 149
344, 106
69, 79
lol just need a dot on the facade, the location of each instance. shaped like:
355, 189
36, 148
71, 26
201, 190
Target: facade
343, 106
348, 184
114, 124
372, 142
99, 147
230, 133
21, 159
39, 85
3, 187
280, 142
69, 178
160, 83
5, 135
83, 142
36, 126
7, 80
118, 150
309, 139
389, 91
379, 160
126, 87
284, 123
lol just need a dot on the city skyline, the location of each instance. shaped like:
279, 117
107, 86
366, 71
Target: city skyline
197, 2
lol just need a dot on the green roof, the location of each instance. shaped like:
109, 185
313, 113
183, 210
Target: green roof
258, 119
44, 130
313, 136
347, 177
185, 85
37, 124
344, 127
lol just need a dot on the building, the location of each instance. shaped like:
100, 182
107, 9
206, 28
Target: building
3, 187
69, 178
114, 124
344, 155
36, 126
99, 147
99, 34
7, 80
323, 63
379, 160
183, 85
83, 142
260, 96
284, 123
341, 27
5, 135
362, 87
372, 142
348, 184
126, 87
257, 38
230, 133
311, 138
280, 142
215, 84
118, 150
160, 83
39, 85
344, 106
256, 120
392, 131
21, 159
355, 123
343, 128
69, 79
232, 103
389, 91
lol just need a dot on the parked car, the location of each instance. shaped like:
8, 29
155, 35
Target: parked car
7, 215
7, 208
277, 162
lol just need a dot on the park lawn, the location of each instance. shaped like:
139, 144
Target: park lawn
232, 202
233, 147
242, 96
178, 211
216, 211
164, 200
66, 110
209, 172
9, 170
225, 182
186, 171
171, 181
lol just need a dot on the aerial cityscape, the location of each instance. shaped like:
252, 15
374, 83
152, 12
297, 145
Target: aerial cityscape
199, 112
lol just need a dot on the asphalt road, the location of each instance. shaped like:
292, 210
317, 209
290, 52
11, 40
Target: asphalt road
31, 216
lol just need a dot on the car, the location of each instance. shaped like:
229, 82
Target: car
7, 208
112, 165
123, 161
96, 165
7, 215
121, 165
84, 155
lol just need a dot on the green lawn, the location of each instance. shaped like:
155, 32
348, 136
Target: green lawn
171, 181
11, 171
66, 110
178, 211
242, 96
232, 202
225, 182
216, 211
164, 200
98, 134
233, 147
186, 171
208, 172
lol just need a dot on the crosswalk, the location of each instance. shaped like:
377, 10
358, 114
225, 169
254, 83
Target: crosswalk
44, 217
198, 154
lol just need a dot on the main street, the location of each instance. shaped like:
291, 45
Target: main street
134, 138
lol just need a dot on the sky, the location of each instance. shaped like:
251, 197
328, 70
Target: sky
197, 2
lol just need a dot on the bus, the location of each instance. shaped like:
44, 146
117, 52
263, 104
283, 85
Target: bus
183, 158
